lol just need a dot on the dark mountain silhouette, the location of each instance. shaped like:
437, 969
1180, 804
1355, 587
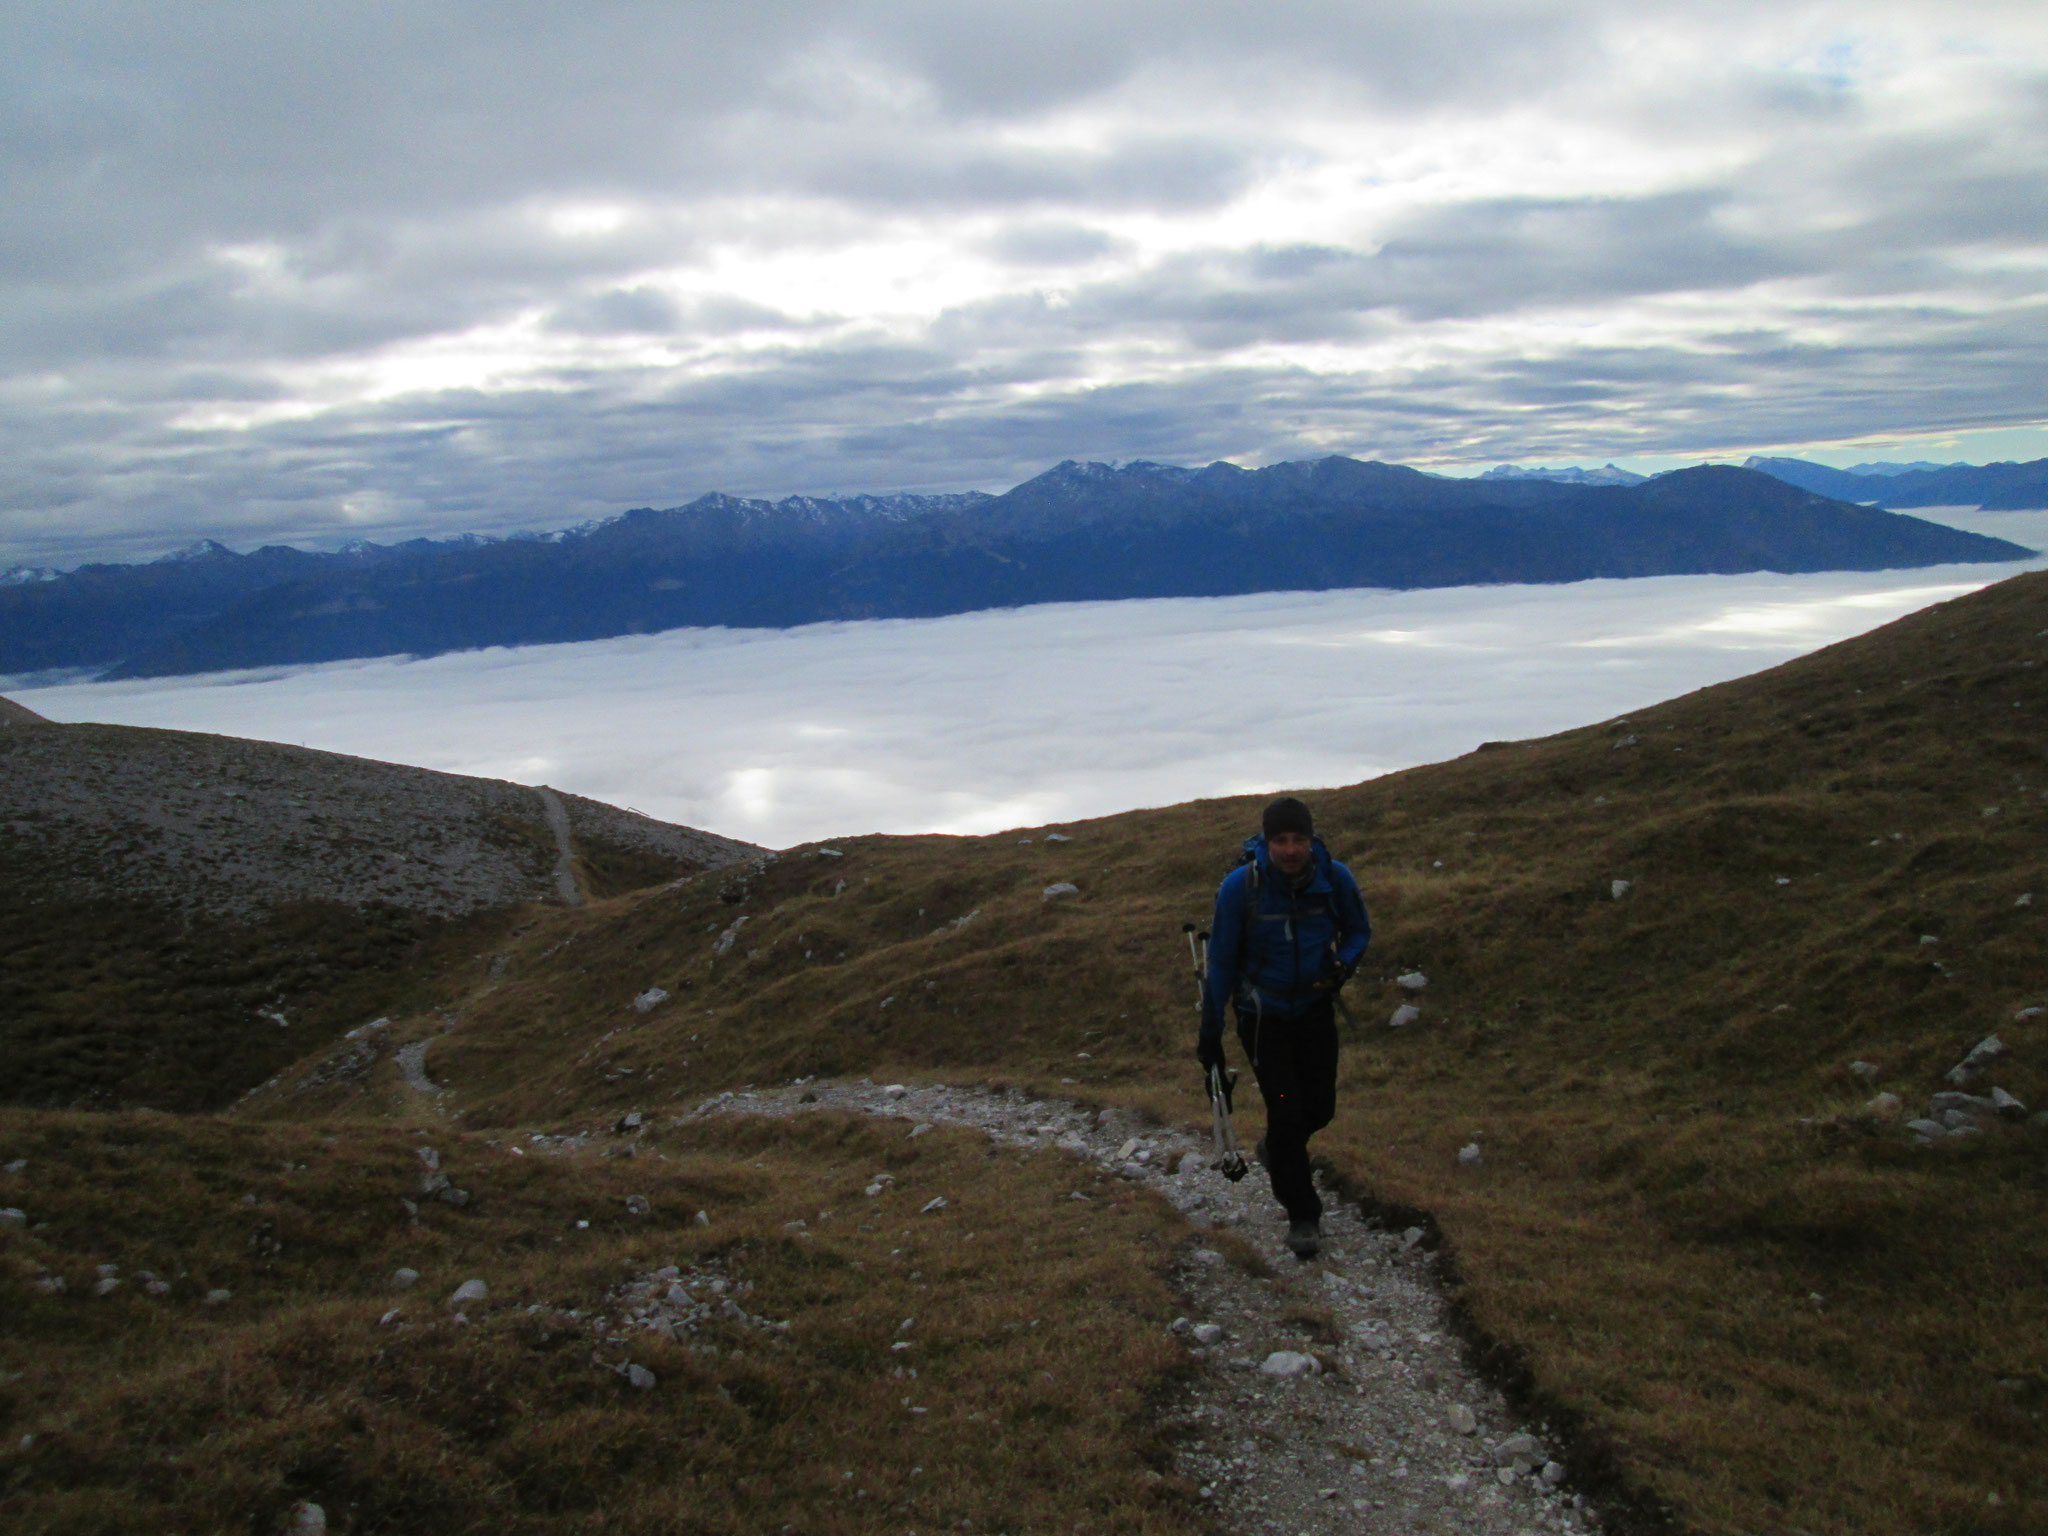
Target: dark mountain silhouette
1994, 487
1077, 532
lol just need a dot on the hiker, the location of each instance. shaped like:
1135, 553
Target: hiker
1289, 930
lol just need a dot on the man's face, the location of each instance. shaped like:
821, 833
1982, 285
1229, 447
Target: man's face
1290, 851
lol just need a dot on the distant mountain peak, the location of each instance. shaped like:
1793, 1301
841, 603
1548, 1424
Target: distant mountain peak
198, 549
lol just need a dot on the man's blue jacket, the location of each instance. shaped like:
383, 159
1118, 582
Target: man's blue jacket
1299, 937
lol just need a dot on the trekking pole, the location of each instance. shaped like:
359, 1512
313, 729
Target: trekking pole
1229, 1161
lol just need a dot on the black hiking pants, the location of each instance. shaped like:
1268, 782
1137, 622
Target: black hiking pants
1295, 1062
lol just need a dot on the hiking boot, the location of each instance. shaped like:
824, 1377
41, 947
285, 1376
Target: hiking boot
1305, 1238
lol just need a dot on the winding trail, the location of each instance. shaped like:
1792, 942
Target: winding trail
1371, 1437
565, 864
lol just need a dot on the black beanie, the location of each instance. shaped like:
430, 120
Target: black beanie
1287, 814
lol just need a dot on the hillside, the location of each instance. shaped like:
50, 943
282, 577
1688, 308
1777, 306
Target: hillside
188, 909
1075, 533
1706, 1254
1993, 487
1692, 1234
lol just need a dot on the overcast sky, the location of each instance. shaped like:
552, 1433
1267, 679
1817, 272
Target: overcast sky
321, 271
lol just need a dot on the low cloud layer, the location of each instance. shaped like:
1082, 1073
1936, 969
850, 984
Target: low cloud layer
311, 275
991, 720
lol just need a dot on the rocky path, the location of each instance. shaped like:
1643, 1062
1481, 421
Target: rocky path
1333, 1396
565, 864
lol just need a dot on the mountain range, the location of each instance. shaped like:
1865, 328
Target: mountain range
1993, 487
1078, 532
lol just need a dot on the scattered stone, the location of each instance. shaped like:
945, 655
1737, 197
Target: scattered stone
1620, 888
450, 1195
153, 1286
1413, 981
1886, 1106
1061, 888
919, 1129
13, 1216
1404, 1015
2024, 899
1626, 741
1869, 1071
1124, 1152
2006, 1107
19, 1165
405, 1279
652, 998
936, 1203
106, 1285
638, 1205
1931, 1130
640, 1377
701, 1219
1520, 1453
1462, 1419
1969, 1103
894, 1091
725, 939
1411, 1237
2026, 1013
1982, 1054
631, 1122
1469, 1155
1208, 1333
467, 1292
1290, 1362
1552, 1473
797, 1228
390, 1317
309, 1520
219, 1297
1929, 938
1057, 837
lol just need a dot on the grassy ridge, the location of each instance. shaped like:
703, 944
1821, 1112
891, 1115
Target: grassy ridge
1037, 1334
1685, 1233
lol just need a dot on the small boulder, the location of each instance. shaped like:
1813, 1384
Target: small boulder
1619, 888
1932, 1130
467, 1293
1208, 1333
13, 1216
1886, 1106
1462, 1419
1982, 1054
701, 1219
1413, 981
1522, 1453
1969, 1103
405, 1279
309, 1520
1869, 1071
638, 1205
219, 1296
1552, 1473
936, 1203
1470, 1156
2006, 1107
894, 1091
1403, 1016
652, 998
640, 1377
1061, 888
1289, 1362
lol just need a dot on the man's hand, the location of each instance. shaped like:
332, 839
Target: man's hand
1209, 1053
1331, 982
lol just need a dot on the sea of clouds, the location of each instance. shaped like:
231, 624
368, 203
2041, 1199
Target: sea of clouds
1024, 717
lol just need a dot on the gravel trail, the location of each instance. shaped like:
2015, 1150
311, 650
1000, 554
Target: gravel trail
1387, 1428
565, 865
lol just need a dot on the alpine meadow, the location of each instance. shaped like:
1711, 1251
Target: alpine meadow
1689, 975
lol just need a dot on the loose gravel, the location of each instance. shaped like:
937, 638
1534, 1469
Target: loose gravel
1333, 1396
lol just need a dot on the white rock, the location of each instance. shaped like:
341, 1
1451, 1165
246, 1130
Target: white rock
894, 1091
19, 1165
1124, 1152
219, 1296
701, 1219
653, 997
1933, 1130
2024, 899
467, 1292
1462, 1419
1208, 1333
1521, 1447
309, 1520
1404, 1015
13, 1216
2026, 1013
873, 1190
106, 1285
1470, 1155
1886, 1106
1413, 981
1553, 1473
404, 1279
936, 1203
640, 1376
906, 1325
2007, 1106
1061, 888
1618, 889
1289, 1362
1864, 1069
1057, 837
390, 1317
920, 1129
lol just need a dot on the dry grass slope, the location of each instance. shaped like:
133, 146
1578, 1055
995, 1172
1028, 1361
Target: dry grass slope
1762, 1307
1766, 1308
